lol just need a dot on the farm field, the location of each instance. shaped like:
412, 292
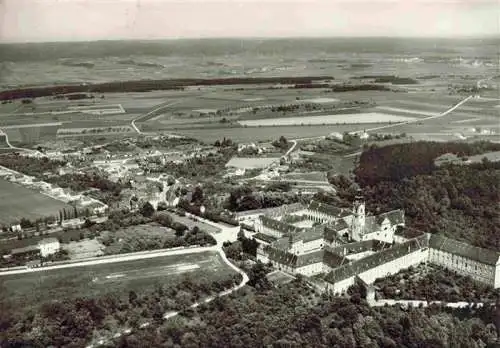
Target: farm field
361, 118
18, 202
310, 176
35, 288
31, 134
255, 134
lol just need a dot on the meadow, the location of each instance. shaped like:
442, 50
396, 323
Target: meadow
18, 202
33, 288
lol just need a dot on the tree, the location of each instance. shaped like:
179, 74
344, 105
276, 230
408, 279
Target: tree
162, 206
147, 210
179, 229
25, 223
132, 297
197, 196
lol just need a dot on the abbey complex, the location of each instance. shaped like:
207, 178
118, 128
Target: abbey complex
339, 246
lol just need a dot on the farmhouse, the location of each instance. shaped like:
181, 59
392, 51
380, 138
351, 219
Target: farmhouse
44, 248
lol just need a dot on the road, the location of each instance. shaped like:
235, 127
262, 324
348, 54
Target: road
9, 144
114, 259
158, 108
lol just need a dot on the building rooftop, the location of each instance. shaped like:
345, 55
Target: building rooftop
280, 226
265, 237
372, 223
328, 209
486, 256
331, 230
284, 209
285, 258
374, 260
25, 250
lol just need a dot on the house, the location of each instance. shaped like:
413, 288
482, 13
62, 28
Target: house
48, 246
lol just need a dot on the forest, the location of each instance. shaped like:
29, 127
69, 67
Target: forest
295, 316
460, 201
150, 85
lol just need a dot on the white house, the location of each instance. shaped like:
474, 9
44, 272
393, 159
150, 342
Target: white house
48, 246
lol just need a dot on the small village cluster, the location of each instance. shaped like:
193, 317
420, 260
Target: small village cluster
337, 247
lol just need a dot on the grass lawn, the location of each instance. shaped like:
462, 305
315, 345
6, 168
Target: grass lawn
30, 289
18, 201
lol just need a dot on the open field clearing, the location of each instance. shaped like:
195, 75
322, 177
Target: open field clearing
84, 249
311, 176
361, 118
251, 163
31, 134
255, 134
18, 202
34, 288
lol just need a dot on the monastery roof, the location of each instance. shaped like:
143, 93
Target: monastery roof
372, 223
280, 226
374, 260
328, 209
265, 237
333, 260
286, 207
292, 260
455, 247
331, 230
282, 243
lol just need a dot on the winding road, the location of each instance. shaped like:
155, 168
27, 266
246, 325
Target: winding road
418, 119
10, 146
150, 113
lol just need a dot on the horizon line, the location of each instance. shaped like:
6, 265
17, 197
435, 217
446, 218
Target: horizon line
313, 37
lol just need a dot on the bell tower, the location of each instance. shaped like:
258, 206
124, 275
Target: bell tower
358, 220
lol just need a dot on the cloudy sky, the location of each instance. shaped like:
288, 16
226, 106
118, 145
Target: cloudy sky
69, 20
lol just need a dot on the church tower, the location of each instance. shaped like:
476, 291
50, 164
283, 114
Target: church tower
358, 220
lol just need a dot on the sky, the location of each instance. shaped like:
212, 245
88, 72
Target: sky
86, 20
